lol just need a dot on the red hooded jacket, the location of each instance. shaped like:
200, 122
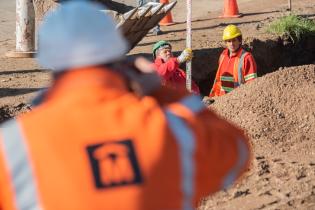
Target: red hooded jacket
172, 75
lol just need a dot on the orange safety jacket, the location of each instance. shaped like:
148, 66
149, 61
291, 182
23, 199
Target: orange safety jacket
92, 144
233, 71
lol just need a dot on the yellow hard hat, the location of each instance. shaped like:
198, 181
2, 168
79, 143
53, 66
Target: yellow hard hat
231, 32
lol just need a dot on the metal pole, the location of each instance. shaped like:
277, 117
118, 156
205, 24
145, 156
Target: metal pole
25, 30
188, 45
289, 3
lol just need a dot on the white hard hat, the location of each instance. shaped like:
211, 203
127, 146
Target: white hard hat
78, 34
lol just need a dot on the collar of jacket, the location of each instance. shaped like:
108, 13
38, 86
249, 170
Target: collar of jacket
160, 60
86, 79
235, 54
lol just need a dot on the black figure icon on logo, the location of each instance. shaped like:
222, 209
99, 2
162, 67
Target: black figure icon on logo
114, 164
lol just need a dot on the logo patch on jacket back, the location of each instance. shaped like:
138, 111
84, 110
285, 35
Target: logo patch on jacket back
114, 164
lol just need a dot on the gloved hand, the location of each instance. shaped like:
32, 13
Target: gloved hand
185, 56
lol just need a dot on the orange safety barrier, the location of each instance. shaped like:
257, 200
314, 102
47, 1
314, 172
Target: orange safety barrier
230, 9
168, 19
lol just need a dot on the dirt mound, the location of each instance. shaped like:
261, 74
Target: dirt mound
278, 113
278, 107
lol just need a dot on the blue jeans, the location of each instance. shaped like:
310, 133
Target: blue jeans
143, 2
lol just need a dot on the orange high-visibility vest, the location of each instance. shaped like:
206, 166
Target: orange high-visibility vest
92, 144
233, 71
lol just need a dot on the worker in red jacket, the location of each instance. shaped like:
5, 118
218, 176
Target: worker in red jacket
236, 66
168, 66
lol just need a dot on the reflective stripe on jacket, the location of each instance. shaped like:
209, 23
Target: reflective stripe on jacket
92, 144
233, 71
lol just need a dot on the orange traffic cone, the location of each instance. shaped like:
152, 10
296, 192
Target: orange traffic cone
167, 20
230, 9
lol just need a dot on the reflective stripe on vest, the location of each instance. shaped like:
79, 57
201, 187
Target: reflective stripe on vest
243, 156
250, 76
19, 167
193, 103
186, 141
240, 70
237, 72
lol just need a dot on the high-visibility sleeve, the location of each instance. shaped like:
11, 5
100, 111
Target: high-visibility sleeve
250, 68
224, 148
6, 189
221, 146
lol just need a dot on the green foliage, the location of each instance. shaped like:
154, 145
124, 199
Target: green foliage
292, 26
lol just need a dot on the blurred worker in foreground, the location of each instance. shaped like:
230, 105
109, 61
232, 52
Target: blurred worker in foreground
168, 66
107, 135
236, 66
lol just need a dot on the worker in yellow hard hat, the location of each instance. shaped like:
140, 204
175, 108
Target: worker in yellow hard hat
236, 65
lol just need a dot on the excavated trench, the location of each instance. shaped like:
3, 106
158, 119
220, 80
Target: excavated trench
270, 54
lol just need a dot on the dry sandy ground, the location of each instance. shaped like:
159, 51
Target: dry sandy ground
278, 113
280, 123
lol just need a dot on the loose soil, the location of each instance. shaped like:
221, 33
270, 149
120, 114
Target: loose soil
278, 113
277, 110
